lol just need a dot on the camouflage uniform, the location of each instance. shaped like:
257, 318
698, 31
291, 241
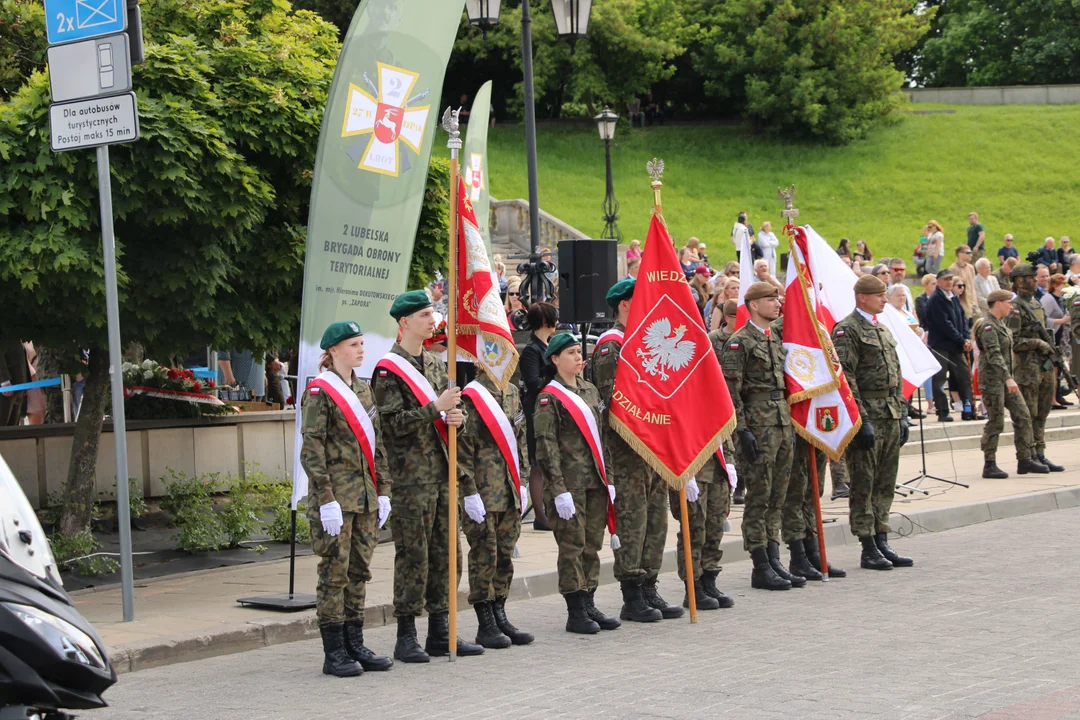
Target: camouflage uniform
1032, 354
641, 512
482, 470
753, 365
867, 353
1074, 330
568, 466
705, 517
418, 461
338, 471
800, 475
792, 520
995, 367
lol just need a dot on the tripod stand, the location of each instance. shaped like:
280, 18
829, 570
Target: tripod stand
922, 449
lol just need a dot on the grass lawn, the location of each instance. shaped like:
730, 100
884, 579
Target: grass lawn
1018, 166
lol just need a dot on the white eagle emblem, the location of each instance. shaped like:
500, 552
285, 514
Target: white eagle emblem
665, 352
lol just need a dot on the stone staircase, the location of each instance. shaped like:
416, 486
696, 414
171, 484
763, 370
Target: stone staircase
966, 435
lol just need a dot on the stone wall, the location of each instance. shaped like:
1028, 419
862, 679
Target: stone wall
998, 95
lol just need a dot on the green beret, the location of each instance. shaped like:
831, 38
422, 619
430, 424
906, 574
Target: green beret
1021, 271
339, 331
560, 342
622, 290
408, 303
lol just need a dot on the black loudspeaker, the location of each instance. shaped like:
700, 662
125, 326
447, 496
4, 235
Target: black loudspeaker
587, 270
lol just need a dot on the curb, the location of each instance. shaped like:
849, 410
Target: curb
241, 637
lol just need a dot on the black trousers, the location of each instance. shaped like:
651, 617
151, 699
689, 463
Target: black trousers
955, 366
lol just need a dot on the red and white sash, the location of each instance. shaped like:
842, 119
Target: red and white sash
499, 426
416, 381
586, 423
613, 335
355, 414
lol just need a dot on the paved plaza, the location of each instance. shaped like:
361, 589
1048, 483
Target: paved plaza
984, 626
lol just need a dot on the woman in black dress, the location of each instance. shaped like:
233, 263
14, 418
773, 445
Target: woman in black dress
543, 319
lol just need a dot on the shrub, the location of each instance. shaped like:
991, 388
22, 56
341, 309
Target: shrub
189, 500
241, 519
76, 552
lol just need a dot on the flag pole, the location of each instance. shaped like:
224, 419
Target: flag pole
655, 168
450, 124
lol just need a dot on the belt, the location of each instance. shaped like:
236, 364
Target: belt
877, 394
763, 396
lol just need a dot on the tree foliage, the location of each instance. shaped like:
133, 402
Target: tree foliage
1002, 42
806, 68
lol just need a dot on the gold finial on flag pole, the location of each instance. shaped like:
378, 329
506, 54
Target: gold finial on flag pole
790, 212
655, 168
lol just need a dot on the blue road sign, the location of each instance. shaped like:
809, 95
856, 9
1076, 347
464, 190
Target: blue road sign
69, 20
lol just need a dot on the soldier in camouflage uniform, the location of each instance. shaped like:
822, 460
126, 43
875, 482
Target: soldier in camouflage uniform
707, 509
345, 507
1000, 391
574, 493
1033, 369
717, 338
493, 505
753, 364
642, 510
418, 462
867, 352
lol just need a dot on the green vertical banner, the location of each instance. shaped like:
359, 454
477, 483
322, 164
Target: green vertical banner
370, 172
474, 162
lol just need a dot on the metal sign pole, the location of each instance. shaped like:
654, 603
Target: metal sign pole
116, 375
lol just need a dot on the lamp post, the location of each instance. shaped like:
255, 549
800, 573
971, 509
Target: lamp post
571, 23
605, 123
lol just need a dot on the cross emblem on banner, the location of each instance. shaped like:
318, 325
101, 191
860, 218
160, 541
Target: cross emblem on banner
386, 115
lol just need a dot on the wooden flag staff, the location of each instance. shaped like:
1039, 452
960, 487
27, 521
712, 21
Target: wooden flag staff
655, 168
450, 124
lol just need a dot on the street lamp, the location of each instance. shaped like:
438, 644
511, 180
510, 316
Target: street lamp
571, 23
605, 123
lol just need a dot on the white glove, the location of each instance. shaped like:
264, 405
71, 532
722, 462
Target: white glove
330, 514
733, 477
611, 492
693, 492
384, 509
474, 507
564, 505
524, 498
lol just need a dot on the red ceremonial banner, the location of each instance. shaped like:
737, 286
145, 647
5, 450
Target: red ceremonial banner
670, 403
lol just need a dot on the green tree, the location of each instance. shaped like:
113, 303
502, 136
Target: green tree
1002, 42
22, 43
806, 68
210, 204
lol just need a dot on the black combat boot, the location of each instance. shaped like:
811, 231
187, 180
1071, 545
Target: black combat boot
739, 496
354, 645
408, 649
992, 472
872, 559
517, 637
437, 643
840, 489
800, 564
882, 541
811, 545
1053, 468
1031, 465
653, 600
707, 582
702, 599
577, 619
605, 622
763, 576
634, 608
488, 634
772, 551
335, 660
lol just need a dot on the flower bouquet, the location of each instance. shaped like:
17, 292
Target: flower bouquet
155, 392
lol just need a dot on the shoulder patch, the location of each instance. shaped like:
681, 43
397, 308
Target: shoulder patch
1076, 304
544, 401
839, 333
314, 390
605, 351
734, 346
987, 327
382, 373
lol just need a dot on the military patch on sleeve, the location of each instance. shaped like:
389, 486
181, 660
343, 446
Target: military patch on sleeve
382, 373
315, 391
985, 328
372, 412
518, 418
1076, 304
839, 333
543, 401
734, 346
605, 351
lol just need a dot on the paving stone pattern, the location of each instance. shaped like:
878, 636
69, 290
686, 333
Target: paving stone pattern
984, 626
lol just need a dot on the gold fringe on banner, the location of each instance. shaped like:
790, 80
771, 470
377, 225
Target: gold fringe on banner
674, 480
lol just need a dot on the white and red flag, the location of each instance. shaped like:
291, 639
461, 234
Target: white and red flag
483, 332
836, 293
746, 279
822, 407
670, 402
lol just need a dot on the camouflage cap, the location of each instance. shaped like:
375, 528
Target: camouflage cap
560, 342
339, 331
1021, 271
760, 290
869, 285
408, 303
999, 296
622, 290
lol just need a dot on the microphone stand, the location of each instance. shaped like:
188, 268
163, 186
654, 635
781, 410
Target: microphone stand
924, 475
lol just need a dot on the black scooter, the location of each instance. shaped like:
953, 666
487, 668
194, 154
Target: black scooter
51, 660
